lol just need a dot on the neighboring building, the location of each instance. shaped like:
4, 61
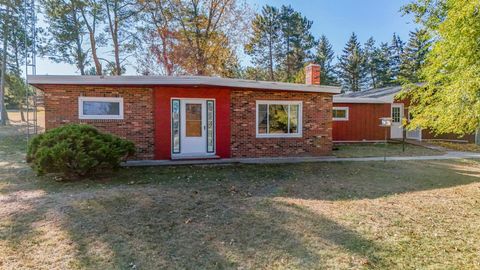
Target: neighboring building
356, 117
197, 117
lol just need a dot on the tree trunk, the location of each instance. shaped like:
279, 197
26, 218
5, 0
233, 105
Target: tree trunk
477, 135
270, 59
93, 44
80, 55
374, 82
3, 71
116, 49
167, 62
80, 64
22, 113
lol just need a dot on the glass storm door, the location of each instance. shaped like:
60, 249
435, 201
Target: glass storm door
193, 135
193, 127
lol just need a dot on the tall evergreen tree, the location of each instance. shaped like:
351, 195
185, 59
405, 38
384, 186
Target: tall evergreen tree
296, 42
396, 52
324, 56
384, 72
265, 39
378, 64
351, 66
371, 63
414, 55
66, 33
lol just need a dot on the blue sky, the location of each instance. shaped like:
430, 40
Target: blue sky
337, 19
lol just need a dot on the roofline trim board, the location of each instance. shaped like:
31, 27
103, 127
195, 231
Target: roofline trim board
359, 100
38, 80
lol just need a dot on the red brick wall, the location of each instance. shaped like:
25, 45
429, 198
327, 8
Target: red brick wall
317, 125
61, 107
312, 74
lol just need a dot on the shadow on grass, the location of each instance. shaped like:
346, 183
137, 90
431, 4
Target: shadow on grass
213, 216
221, 217
189, 230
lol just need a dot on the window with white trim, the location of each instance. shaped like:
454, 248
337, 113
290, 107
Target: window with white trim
340, 113
279, 119
100, 108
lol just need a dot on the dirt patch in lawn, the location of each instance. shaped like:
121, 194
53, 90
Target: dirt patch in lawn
296, 216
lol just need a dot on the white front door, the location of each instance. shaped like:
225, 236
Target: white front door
396, 130
193, 127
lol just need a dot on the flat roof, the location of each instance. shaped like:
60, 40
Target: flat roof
374, 92
39, 80
341, 99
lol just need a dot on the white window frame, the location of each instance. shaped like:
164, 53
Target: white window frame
400, 112
347, 113
101, 99
299, 134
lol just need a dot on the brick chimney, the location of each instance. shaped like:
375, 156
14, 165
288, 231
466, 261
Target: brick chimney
312, 74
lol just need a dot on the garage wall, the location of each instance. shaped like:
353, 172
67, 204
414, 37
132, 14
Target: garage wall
363, 123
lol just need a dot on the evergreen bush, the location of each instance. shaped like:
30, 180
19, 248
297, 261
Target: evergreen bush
76, 151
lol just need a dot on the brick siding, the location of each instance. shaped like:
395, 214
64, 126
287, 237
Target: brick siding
316, 139
61, 107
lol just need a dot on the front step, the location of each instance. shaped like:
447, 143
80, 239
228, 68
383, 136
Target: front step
194, 157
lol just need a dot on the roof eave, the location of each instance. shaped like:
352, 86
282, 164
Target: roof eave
359, 100
40, 80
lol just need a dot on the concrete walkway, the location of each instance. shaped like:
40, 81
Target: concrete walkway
448, 155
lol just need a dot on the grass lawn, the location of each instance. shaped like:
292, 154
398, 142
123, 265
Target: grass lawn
378, 150
394, 215
467, 147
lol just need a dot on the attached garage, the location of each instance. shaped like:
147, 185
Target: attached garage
356, 118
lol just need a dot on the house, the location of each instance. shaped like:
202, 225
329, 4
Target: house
356, 118
197, 117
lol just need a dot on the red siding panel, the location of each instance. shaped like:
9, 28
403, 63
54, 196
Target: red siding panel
363, 122
162, 98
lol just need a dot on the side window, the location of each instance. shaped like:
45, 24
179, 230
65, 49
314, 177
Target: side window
340, 113
100, 108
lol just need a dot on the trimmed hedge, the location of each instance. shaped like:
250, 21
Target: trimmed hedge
76, 151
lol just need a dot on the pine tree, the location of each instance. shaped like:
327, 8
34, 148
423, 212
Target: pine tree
371, 63
324, 56
384, 71
66, 30
414, 55
351, 66
296, 42
378, 64
265, 39
396, 52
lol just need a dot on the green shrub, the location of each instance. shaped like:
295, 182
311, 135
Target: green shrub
77, 151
